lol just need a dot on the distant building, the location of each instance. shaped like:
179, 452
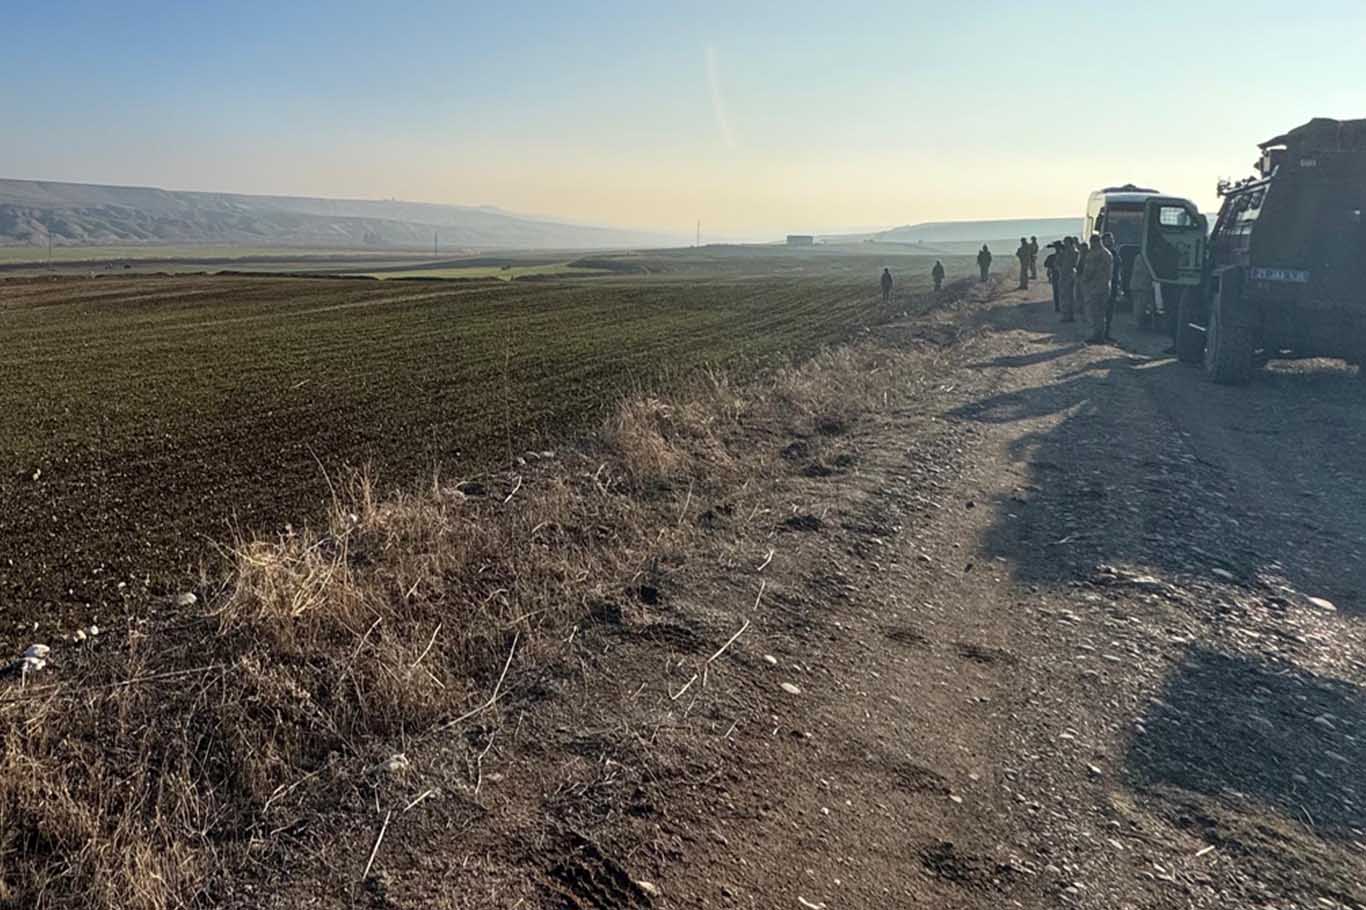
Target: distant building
800, 240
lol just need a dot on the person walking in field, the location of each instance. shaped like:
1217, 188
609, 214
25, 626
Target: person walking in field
937, 273
1095, 285
1023, 255
886, 286
1066, 265
984, 261
1034, 257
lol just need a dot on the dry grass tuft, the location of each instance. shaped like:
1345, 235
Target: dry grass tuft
99, 807
835, 388
657, 439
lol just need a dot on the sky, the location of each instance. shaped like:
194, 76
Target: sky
756, 119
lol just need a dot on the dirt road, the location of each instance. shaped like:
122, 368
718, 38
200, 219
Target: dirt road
1042, 638
1085, 671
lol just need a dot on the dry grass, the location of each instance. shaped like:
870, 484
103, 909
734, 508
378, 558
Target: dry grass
169, 769
385, 623
837, 386
656, 439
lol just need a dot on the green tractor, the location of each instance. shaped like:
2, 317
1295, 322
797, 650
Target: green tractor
1283, 273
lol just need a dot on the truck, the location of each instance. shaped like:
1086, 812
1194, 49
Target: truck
1124, 212
1283, 272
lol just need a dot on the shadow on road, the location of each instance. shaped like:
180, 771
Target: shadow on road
1131, 459
1229, 724
1231, 497
1137, 459
1024, 360
1072, 390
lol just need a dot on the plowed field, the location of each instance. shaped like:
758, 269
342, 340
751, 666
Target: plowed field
144, 418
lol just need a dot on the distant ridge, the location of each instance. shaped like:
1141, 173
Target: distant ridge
935, 232
75, 214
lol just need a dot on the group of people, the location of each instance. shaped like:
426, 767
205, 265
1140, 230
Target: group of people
1085, 276
936, 274
1028, 254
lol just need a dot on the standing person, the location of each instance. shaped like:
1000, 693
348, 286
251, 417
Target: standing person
1107, 240
1050, 268
1066, 265
1023, 255
1078, 301
1033, 257
984, 261
1095, 285
886, 286
937, 273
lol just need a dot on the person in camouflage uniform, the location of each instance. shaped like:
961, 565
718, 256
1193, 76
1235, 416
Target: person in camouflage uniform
1066, 266
1096, 272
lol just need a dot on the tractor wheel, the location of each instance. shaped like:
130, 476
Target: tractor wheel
1228, 349
1189, 340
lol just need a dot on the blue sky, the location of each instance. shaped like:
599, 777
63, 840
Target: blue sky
755, 118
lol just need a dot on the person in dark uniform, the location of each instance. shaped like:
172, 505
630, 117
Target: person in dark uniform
937, 273
1023, 255
984, 261
886, 286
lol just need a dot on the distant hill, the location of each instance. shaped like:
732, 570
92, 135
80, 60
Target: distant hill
87, 214
931, 233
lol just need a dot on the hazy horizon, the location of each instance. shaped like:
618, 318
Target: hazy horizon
540, 216
818, 120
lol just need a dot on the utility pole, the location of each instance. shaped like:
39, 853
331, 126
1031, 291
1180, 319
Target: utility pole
699, 233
